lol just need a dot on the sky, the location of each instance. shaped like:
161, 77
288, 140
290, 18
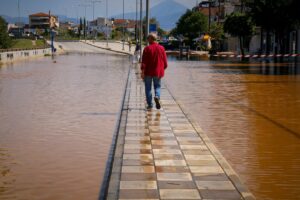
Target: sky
75, 8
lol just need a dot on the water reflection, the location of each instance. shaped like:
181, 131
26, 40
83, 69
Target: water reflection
252, 66
251, 114
57, 121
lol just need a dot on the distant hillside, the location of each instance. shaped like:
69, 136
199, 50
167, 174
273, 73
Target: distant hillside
12, 20
25, 20
167, 13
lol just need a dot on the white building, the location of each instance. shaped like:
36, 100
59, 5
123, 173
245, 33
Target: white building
100, 25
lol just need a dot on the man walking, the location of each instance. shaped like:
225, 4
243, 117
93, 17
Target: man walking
154, 63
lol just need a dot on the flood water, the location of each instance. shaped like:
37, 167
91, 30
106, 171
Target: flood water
57, 121
251, 112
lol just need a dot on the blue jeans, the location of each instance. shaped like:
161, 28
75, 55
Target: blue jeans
148, 87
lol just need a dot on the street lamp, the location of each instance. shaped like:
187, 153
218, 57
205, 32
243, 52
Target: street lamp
141, 27
85, 6
123, 25
106, 20
94, 2
147, 18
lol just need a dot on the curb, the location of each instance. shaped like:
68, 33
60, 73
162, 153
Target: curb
108, 49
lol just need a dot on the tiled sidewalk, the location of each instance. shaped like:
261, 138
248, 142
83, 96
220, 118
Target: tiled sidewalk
164, 157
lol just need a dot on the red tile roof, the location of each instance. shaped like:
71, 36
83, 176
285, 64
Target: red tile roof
40, 14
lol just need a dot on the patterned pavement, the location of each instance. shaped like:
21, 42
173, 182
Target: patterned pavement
162, 155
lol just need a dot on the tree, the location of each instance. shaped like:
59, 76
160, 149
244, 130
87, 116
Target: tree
84, 28
80, 28
191, 24
161, 32
5, 41
239, 25
276, 16
217, 34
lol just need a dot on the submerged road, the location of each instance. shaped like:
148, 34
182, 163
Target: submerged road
57, 121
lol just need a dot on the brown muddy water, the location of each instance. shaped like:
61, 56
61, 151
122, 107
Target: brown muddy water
57, 122
251, 112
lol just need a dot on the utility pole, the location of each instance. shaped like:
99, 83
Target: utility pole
94, 2
19, 18
136, 19
141, 28
209, 14
147, 17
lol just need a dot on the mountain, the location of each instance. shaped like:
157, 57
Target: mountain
12, 20
167, 13
63, 18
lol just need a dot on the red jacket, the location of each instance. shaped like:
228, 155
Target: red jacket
154, 60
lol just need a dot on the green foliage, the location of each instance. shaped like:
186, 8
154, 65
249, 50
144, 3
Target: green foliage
192, 24
117, 34
161, 32
65, 34
80, 27
5, 41
277, 17
239, 25
217, 34
274, 15
84, 27
217, 31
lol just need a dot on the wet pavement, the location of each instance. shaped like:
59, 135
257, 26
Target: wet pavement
163, 155
57, 121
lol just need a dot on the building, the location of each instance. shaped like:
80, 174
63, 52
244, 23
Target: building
66, 25
43, 21
100, 25
217, 10
128, 24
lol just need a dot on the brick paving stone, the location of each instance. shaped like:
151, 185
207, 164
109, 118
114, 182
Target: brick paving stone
139, 194
179, 194
138, 177
176, 184
124, 185
174, 177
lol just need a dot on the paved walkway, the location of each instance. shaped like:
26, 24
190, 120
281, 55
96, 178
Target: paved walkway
161, 154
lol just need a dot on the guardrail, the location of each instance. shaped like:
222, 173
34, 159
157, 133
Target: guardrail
23, 49
11, 55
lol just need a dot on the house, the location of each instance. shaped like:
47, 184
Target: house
43, 21
128, 24
66, 25
100, 25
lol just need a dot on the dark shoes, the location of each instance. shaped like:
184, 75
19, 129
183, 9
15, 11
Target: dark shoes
157, 103
149, 107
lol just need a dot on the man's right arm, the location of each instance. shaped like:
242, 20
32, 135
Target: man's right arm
143, 64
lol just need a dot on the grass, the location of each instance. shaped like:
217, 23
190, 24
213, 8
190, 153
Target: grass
27, 44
